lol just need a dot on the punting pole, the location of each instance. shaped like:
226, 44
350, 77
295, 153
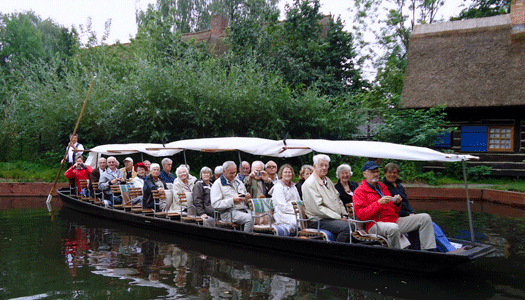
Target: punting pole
50, 196
472, 237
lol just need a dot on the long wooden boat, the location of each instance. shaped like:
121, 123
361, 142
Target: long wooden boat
345, 253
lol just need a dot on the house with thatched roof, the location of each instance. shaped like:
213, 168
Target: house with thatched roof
476, 68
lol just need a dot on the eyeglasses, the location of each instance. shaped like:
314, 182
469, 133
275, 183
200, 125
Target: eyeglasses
271, 167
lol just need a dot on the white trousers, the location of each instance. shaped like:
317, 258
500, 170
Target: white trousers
394, 231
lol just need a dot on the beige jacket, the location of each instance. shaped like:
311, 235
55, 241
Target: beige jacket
322, 200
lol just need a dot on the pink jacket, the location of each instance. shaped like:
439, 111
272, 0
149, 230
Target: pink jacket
367, 208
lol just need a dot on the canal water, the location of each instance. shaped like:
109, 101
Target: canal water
68, 255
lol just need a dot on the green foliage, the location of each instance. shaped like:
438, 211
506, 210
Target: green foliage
27, 171
412, 127
484, 8
306, 49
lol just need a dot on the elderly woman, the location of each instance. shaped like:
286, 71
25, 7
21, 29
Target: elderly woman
306, 171
392, 181
344, 186
283, 194
182, 184
201, 196
153, 182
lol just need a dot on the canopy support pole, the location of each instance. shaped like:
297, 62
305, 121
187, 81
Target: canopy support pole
240, 160
472, 237
185, 161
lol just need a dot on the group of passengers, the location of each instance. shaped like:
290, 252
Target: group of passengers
227, 192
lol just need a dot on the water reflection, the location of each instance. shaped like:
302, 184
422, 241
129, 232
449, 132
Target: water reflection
76, 256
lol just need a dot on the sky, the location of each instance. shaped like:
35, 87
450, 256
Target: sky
122, 13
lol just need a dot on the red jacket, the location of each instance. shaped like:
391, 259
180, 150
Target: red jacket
78, 174
367, 208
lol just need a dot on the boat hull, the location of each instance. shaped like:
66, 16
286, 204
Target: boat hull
341, 253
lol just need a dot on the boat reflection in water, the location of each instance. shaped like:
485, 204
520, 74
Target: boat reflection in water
147, 263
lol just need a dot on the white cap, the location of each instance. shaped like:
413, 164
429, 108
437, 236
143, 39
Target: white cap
129, 158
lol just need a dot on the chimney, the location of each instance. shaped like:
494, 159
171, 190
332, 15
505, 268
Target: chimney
218, 25
517, 17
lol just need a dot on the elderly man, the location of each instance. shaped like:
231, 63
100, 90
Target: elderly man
128, 169
271, 169
166, 174
257, 182
228, 196
373, 201
321, 200
95, 175
217, 173
111, 176
244, 170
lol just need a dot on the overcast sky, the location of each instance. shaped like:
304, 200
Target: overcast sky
122, 12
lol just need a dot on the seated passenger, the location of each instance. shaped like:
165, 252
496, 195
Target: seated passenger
94, 176
111, 176
373, 201
182, 184
321, 200
147, 163
392, 181
129, 172
244, 170
191, 178
138, 181
258, 184
283, 194
77, 172
201, 196
165, 174
217, 173
228, 195
306, 171
344, 186
153, 182
271, 169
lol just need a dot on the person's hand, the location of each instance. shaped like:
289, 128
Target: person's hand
247, 196
385, 200
238, 199
398, 199
264, 175
114, 181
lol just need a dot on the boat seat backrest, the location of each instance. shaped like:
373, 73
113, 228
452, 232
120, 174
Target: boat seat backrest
262, 210
351, 215
300, 214
84, 183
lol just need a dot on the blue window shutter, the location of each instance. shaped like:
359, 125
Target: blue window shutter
474, 138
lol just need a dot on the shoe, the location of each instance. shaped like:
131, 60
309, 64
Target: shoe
106, 203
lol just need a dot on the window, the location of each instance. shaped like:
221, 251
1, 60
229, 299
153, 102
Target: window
501, 138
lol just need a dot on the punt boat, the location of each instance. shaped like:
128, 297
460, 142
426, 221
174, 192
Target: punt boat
341, 253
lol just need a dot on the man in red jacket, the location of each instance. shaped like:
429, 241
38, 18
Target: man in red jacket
372, 201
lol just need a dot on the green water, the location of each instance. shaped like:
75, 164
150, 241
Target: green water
73, 256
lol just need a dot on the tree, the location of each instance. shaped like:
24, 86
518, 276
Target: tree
484, 8
307, 49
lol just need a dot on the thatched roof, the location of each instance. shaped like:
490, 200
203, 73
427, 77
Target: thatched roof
470, 63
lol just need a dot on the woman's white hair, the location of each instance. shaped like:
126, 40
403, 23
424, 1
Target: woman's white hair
321, 157
180, 168
343, 167
218, 170
154, 165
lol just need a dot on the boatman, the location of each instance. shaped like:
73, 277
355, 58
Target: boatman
228, 196
373, 201
321, 200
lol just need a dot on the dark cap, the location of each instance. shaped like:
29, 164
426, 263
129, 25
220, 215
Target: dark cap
370, 165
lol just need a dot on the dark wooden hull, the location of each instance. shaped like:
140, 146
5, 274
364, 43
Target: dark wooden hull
341, 253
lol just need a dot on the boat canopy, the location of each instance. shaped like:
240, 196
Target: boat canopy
280, 148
